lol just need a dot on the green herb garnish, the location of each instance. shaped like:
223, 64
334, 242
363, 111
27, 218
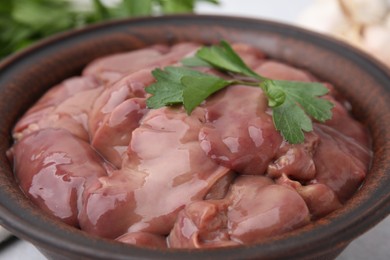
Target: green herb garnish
23, 22
293, 103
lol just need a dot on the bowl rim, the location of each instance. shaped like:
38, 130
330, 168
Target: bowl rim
84, 245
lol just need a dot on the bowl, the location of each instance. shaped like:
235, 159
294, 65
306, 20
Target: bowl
25, 76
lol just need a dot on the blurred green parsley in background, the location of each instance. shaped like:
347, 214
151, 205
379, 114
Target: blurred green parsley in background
23, 22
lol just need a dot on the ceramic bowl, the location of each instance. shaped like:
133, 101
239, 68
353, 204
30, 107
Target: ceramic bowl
25, 76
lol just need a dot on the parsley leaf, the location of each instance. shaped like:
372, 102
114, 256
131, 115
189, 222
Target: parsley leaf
275, 96
167, 90
177, 85
306, 94
290, 120
197, 89
195, 62
293, 103
225, 58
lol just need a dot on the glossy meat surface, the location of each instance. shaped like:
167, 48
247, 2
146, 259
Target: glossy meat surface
239, 133
91, 154
175, 172
54, 167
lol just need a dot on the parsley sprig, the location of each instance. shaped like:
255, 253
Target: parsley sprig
293, 103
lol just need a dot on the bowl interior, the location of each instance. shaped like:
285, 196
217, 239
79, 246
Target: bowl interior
366, 84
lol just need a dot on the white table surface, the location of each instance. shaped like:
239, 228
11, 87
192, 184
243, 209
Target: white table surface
373, 245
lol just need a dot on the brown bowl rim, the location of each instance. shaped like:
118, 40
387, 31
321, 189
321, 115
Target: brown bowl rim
32, 227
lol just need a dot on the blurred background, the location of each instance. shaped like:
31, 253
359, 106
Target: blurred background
364, 24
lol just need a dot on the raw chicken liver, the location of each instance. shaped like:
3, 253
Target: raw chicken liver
91, 154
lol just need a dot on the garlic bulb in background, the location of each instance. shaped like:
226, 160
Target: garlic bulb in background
365, 12
363, 23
